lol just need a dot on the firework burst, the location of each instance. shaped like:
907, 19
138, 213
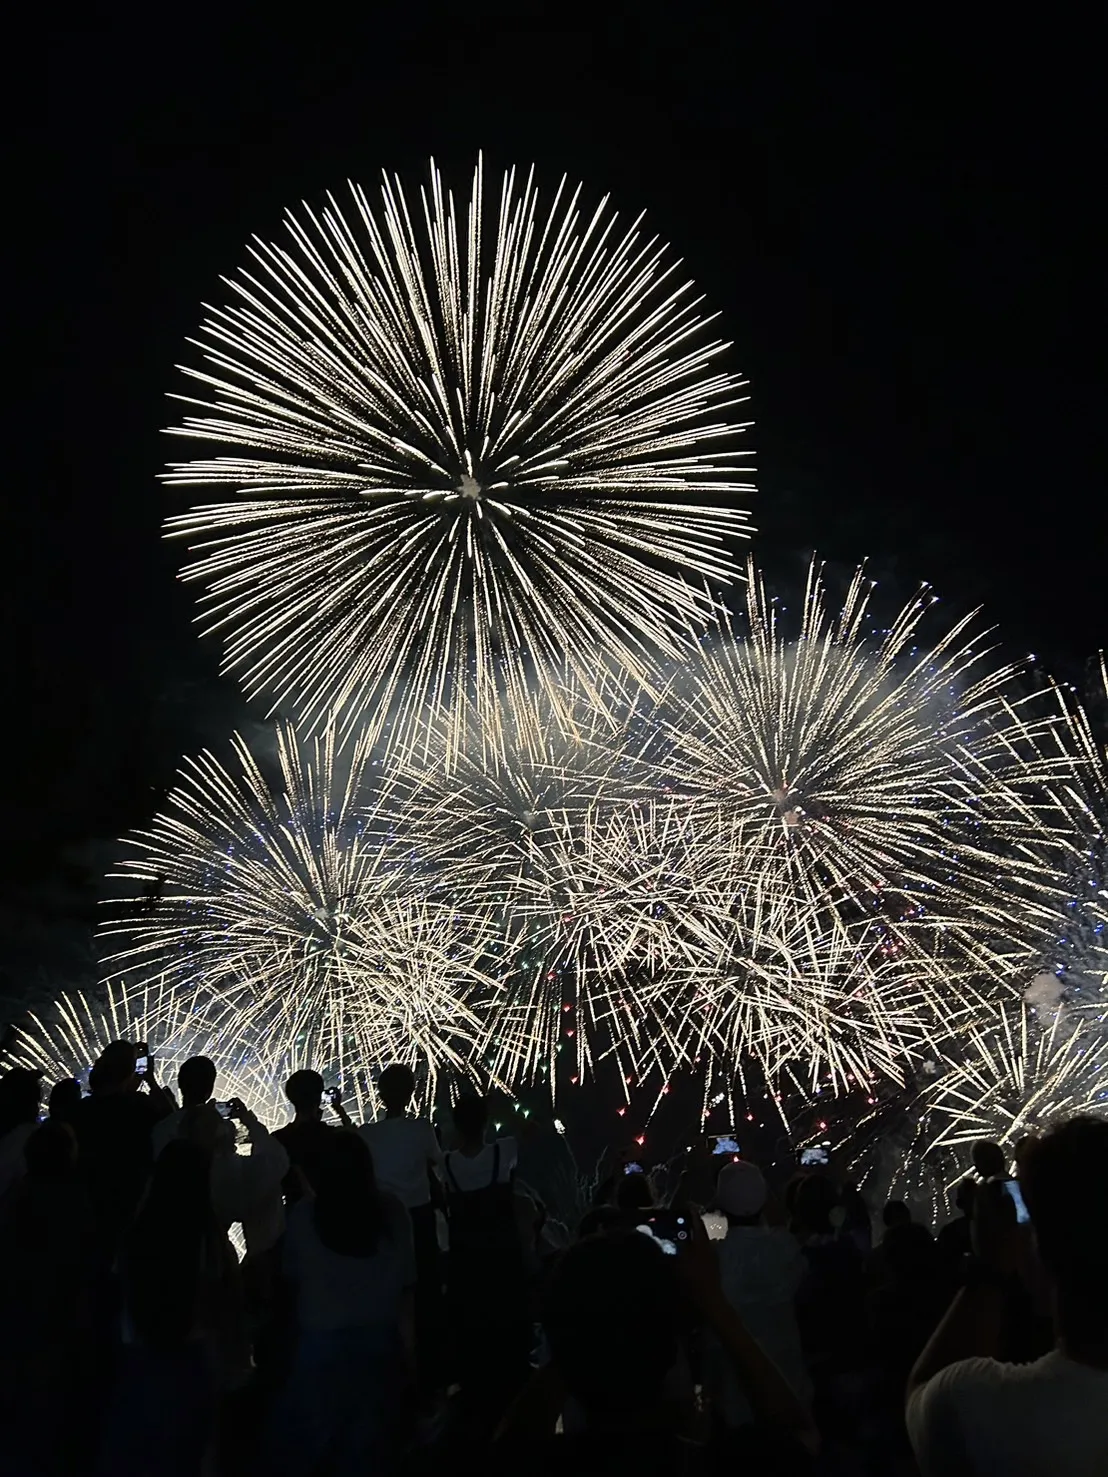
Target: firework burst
459, 440
882, 778
289, 911
1015, 1076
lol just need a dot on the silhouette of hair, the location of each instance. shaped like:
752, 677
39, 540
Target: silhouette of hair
304, 1089
20, 1093
114, 1066
196, 1079
396, 1085
471, 1116
612, 1316
65, 1100
349, 1212
896, 1213
989, 1159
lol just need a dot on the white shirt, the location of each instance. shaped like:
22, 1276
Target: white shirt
980, 1418
760, 1270
335, 1291
475, 1173
247, 1188
402, 1149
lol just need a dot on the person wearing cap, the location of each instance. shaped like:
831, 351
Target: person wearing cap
761, 1268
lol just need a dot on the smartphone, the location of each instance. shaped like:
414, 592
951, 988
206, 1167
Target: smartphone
331, 1096
668, 1229
1015, 1194
223, 1109
142, 1063
818, 1154
632, 1168
725, 1144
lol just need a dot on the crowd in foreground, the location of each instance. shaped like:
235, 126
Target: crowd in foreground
397, 1306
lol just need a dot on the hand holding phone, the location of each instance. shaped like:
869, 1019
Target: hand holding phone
142, 1059
669, 1228
332, 1096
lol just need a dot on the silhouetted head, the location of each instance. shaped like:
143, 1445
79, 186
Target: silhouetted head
1065, 1186
896, 1213
813, 1201
196, 1079
633, 1192
114, 1070
396, 1085
471, 1118
304, 1090
612, 1316
909, 1252
989, 1159
20, 1094
65, 1100
348, 1211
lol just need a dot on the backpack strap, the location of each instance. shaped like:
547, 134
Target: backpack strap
495, 1162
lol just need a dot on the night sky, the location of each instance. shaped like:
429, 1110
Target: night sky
899, 228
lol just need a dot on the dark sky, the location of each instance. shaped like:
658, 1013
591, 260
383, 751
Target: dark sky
899, 226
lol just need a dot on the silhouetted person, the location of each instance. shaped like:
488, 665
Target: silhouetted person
46, 1266
114, 1127
408, 1163
182, 1324
196, 1084
970, 1414
65, 1101
989, 1160
307, 1136
486, 1281
20, 1095
349, 1258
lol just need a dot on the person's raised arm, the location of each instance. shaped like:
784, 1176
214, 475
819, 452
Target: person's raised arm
971, 1326
161, 1099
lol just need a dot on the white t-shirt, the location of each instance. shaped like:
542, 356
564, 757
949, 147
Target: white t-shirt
335, 1291
475, 1173
402, 1148
980, 1418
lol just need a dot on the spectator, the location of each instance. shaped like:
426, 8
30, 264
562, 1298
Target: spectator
307, 1136
760, 1269
181, 1320
196, 1084
970, 1414
65, 1101
486, 1282
45, 1310
895, 1213
408, 1162
903, 1310
989, 1160
350, 1259
20, 1094
114, 1128
614, 1314
246, 1188
953, 1241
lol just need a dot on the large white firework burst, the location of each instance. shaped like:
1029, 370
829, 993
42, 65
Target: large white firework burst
881, 776
458, 440
289, 910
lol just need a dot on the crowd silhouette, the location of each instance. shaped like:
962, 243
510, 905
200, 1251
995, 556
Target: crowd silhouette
396, 1304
